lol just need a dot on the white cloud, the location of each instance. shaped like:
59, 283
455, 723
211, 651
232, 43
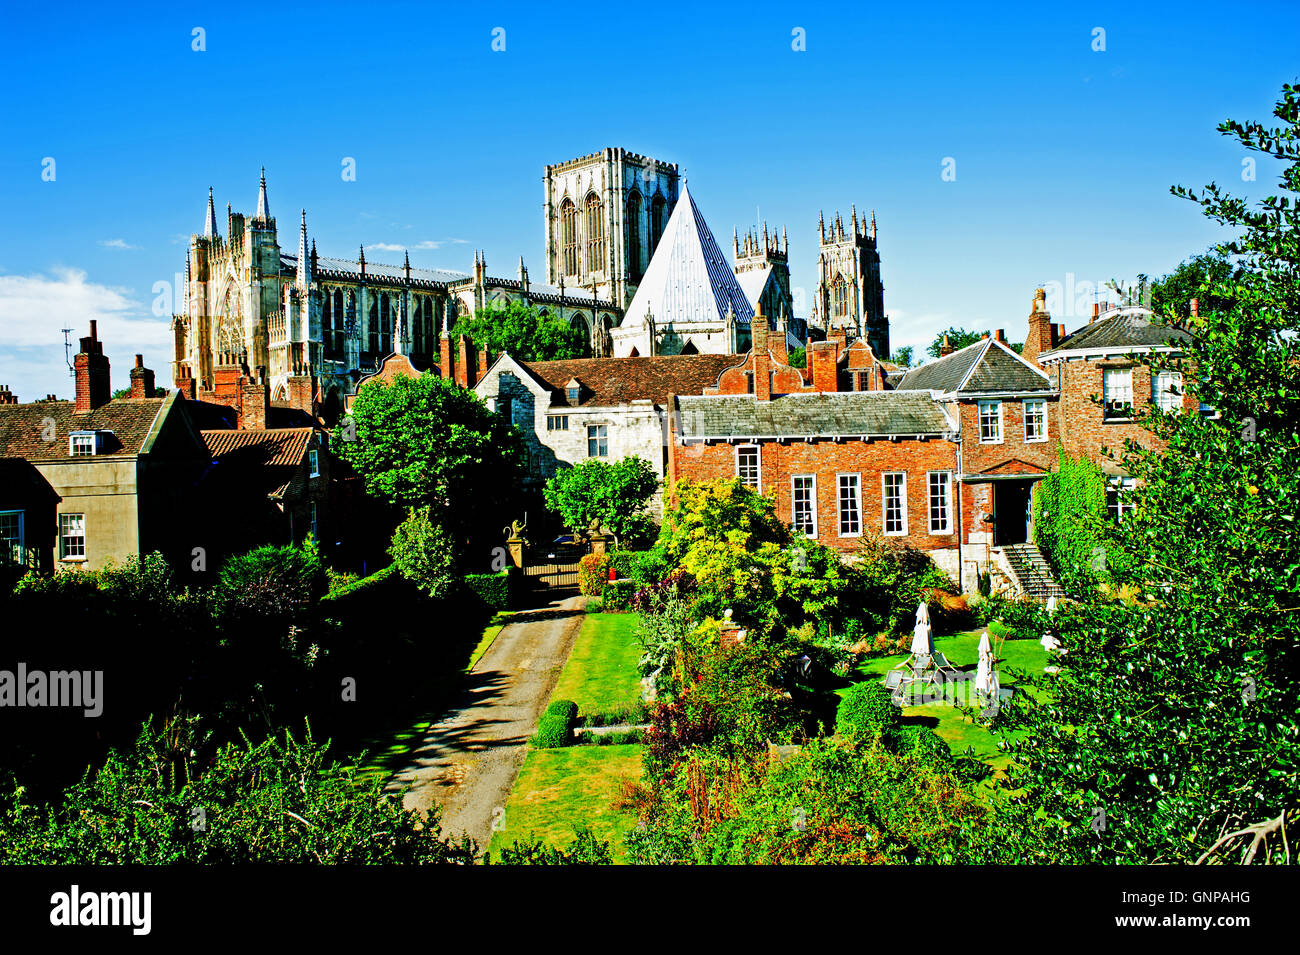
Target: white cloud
34, 310
425, 244
387, 247
117, 244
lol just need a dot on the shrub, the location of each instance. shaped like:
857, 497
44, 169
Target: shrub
494, 590
278, 585
566, 708
424, 553
866, 708
618, 595
627, 563
552, 732
923, 743
585, 849
593, 574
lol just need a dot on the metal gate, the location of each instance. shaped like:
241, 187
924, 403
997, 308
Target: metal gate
554, 567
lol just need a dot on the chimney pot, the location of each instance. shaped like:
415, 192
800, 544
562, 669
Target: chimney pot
1196, 308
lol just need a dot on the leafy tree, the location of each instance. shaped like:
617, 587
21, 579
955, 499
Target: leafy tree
902, 357
425, 442
524, 332
1173, 717
798, 358
1196, 278
424, 553
594, 494
957, 337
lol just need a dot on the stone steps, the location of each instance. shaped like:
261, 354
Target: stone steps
1033, 573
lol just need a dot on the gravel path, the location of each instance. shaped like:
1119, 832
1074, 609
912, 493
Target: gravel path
468, 761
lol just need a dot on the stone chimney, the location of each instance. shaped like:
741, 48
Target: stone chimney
1040, 338
91, 368
7, 397
945, 346
141, 379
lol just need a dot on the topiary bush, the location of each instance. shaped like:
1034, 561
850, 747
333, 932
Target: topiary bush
552, 732
866, 708
494, 590
593, 574
566, 708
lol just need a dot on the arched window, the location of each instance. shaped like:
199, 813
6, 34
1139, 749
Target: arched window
327, 322
839, 297
634, 234
595, 234
658, 208
579, 321
372, 324
417, 325
569, 236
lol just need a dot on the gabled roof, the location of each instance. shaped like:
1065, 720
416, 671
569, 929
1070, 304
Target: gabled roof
133, 422
1125, 328
827, 414
611, 381
753, 281
987, 367
268, 460
689, 279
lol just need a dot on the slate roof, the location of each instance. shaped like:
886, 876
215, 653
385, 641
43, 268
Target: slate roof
689, 279
132, 421
259, 459
1127, 328
610, 381
829, 414
987, 366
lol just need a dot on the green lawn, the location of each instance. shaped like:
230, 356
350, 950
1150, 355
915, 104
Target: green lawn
561, 789
962, 650
601, 675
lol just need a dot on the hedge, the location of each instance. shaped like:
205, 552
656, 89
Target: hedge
552, 732
593, 574
866, 708
496, 591
566, 708
365, 584
618, 595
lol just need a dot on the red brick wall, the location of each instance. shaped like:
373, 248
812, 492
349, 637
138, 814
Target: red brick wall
1080, 424
979, 458
827, 459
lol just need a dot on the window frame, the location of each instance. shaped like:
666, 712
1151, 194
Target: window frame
598, 438
313, 462
979, 420
947, 502
758, 465
812, 504
1173, 398
64, 537
856, 515
21, 540
557, 422
1116, 488
1124, 414
1040, 403
92, 448
884, 503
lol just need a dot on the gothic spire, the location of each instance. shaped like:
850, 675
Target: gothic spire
304, 264
263, 207
873, 223
210, 226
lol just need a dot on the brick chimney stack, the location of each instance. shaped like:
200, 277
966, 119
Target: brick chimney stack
945, 347
762, 359
91, 366
823, 359
141, 379
1041, 337
255, 404
464, 368
444, 355
1001, 335
7, 397
1196, 308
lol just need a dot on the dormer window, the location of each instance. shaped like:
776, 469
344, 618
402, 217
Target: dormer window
84, 443
573, 391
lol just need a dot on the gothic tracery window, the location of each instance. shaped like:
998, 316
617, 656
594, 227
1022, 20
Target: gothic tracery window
569, 236
839, 297
595, 234
658, 208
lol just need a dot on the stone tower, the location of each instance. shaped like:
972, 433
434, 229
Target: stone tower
605, 213
850, 295
762, 264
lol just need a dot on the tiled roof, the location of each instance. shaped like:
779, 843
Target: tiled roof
265, 459
608, 381
688, 279
1125, 328
987, 366
830, 414
23, 426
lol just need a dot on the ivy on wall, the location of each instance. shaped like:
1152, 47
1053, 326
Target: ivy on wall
1071, 524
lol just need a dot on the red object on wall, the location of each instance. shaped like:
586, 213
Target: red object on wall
612, 574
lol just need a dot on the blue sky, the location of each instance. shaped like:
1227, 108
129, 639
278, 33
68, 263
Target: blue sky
1063, 155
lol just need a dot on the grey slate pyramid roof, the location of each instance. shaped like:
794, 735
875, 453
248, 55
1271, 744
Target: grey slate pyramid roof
1125, 328
689, 279
987, 366
828, 414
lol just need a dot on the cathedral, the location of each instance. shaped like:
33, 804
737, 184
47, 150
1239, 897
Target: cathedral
629, 260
